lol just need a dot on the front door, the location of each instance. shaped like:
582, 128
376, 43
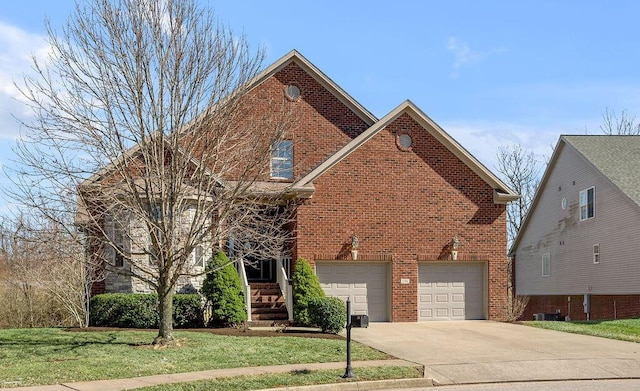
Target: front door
260, 270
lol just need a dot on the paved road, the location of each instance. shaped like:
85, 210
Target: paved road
467, 352
572, 385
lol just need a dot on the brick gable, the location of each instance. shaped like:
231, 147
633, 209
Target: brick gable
409, 204
321, 123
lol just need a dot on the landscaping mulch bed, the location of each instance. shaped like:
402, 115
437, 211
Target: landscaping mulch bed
231, 331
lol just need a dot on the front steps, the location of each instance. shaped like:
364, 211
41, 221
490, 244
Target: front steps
268, 307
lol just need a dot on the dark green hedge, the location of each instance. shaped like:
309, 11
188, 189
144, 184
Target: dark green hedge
140, 310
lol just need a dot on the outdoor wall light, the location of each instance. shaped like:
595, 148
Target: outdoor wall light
354, 247
455, 243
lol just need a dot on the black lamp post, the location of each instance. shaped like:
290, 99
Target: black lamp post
348, 373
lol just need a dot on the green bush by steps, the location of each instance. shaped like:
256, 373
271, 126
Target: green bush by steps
223, 290
306, 287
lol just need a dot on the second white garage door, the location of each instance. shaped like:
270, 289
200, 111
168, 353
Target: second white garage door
365, 283
451, 291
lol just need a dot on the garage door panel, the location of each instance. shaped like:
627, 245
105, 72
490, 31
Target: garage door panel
426, 314
366, 284
426, 298
451, 291
359, 299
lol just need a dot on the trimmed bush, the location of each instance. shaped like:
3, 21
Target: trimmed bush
140, 310
223, 290
306, 287
187, 311
129, 310
328, 313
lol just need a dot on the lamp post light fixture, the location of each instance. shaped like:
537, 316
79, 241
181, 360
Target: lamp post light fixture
455, 243
354, 247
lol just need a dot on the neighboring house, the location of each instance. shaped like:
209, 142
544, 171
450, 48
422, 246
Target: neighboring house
577, 251
392, 212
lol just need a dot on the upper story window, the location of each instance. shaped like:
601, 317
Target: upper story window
292, 92
546, 265
596, 253
587, 203
282, 160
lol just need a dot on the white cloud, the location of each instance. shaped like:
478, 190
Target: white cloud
483, 138
464, 55
16, 49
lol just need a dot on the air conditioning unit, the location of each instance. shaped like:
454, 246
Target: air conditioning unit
538, 316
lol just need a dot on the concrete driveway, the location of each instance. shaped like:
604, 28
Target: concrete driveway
484, 351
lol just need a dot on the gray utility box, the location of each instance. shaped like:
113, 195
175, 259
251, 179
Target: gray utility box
359, 321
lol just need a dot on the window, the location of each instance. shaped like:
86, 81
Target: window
404, 142
596, 253
118, 242
546, 265
282, 160
292, 92
198, 256
587, 203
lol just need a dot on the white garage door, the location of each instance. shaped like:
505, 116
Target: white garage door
365, 283
451, 291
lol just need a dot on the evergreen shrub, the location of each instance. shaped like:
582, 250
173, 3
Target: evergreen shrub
306, 287
223, 290
328, 313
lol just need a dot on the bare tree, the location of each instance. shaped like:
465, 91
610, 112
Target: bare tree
521, 171
147, 136
623, 124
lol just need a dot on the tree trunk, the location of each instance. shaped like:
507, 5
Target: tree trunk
165, 327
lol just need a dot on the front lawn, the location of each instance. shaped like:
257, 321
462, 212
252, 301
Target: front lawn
49, 356
625, 329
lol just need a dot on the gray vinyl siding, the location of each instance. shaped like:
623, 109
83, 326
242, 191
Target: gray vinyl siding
615, 227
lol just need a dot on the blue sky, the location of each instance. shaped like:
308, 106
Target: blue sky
490, 73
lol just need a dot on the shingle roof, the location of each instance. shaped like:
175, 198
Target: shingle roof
616, 157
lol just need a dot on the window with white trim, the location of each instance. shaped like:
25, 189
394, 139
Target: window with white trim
546, 265
198, 256
596, 253
282, 160
587, 203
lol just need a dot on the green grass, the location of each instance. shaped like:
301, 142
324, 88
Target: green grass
291, 379
49, 356
625, 330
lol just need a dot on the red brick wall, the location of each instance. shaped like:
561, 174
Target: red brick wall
409, 204
602, 307
321, 124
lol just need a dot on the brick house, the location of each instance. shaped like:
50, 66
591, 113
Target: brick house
576, 252
392, 212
